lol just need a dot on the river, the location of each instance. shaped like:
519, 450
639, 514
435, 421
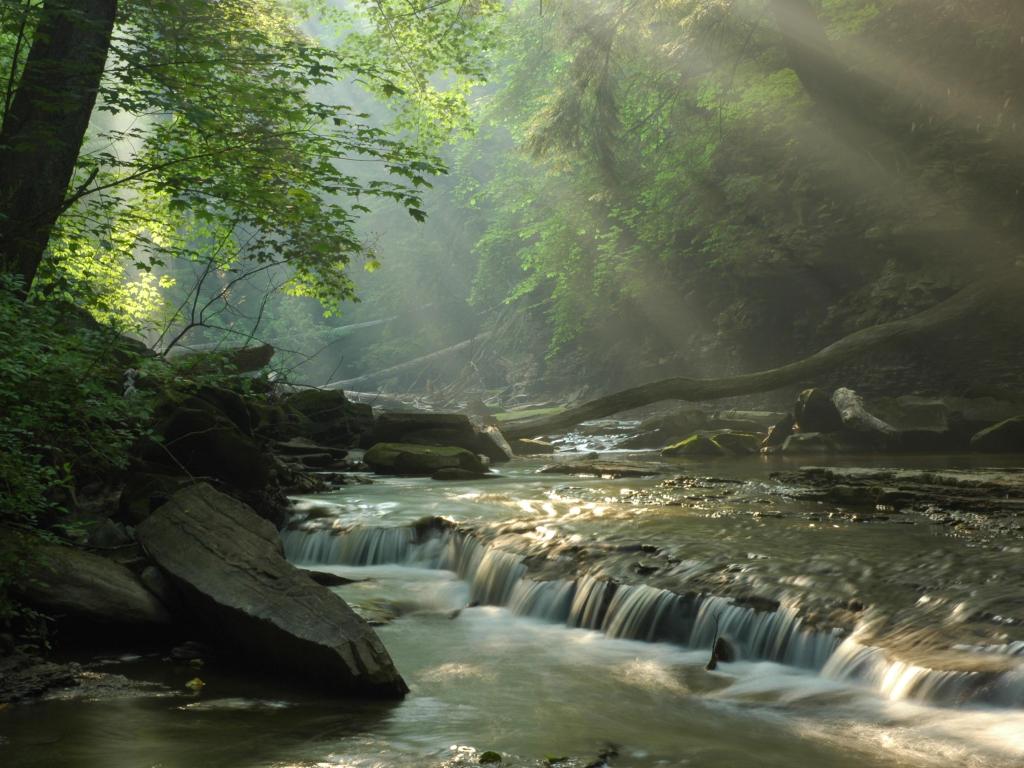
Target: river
545, 616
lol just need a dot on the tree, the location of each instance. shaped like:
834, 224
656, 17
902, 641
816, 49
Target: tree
45, 123
220, 128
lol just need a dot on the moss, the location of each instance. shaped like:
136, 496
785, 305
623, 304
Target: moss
528, 413
696, 444
413, 459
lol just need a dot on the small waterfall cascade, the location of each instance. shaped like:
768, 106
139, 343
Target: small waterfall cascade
642, 612
776, 635
898, 680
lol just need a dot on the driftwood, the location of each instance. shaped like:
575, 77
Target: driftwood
370, 379
962, 304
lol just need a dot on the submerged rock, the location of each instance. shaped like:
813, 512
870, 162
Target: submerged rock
457, 474
226, 562
26, 677
70, 583
1004, 437
607, 469
413, 459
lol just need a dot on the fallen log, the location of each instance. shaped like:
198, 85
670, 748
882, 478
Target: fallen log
369, 379
962, 304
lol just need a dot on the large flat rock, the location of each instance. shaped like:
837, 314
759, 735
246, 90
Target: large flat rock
226, 561
71, 583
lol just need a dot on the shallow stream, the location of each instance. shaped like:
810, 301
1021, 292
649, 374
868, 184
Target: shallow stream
545, 616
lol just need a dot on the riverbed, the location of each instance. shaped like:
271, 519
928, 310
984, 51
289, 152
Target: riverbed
570, 619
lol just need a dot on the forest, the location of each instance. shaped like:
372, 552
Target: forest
582, 383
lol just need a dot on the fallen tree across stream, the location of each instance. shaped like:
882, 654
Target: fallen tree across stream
957, 307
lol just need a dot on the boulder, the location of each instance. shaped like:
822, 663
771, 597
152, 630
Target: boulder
108, 534
815, 412
330, 417
444, 429
413, 459
679, 422
696, 445
300, 446
913, 413
606, 469
763, 419
525, 446
1004, 437
202, 440
653, 438
26, 677
77, 585
777, 435
230, 404
226, 563
146, 491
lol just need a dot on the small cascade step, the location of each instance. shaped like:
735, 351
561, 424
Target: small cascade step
642, 612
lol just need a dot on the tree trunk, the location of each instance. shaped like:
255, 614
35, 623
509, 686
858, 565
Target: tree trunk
960, 305
42, 132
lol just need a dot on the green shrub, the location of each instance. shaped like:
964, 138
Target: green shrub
63, 414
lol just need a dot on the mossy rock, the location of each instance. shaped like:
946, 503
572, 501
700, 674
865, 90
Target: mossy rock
696, 445
411, 459
489, 758
739, 443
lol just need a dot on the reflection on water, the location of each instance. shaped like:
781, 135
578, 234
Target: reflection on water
491, 677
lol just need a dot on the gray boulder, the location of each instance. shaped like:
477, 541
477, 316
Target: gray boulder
330, 418
444, 429
226, 563
413, 459
73, 584
815, 412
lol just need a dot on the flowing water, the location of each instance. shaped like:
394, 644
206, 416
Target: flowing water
544, 616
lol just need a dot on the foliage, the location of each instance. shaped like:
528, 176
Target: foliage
226, 134
655, 181
62, 416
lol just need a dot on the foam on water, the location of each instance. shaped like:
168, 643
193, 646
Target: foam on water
642, 612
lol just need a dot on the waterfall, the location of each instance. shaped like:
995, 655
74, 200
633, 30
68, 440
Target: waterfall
773, 635
898, 680
642, 612
549, 600
590, 603
356, 546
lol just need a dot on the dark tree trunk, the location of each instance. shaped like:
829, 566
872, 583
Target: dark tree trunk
43, 131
